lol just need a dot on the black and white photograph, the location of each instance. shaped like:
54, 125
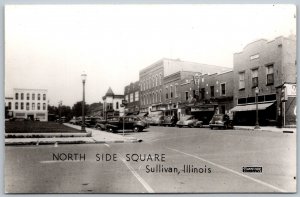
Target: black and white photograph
150, 98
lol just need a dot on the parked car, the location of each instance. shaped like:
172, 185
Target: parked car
74, 121
189, 121
169, 121
155, 120
130, 123
221, 121
101, 124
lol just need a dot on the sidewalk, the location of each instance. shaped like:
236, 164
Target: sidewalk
267, 128
97, 137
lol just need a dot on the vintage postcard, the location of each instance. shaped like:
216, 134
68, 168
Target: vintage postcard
158, 98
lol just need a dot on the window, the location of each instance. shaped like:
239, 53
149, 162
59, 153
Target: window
136, 98
156, 96
160, 78
242, 80
270, 75
153, 97
253, 57
254, 73
223, 89
38, 106
27, 106
202, 91
39, 97
16, 105
131, 98
167, 93
117, 105
212, 91
27, 96
156, 80
22, 96
33, 106
17, 96
153, 81
160, 95
9, 105
33, 96
186, 96
22, 105
171, 91
175, 90
44, 97
126, 98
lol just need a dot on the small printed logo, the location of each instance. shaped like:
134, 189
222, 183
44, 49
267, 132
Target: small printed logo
252, 169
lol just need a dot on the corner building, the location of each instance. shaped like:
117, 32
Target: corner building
269, 66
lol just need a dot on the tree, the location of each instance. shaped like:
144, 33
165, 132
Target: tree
77, 109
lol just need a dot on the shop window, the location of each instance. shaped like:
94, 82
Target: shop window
270, 97
242, 101
251, 99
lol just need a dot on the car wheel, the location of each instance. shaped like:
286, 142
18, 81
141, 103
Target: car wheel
136, 129
110, 129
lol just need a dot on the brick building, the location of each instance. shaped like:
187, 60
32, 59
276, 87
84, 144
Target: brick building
270, 66
160, 80
132, 97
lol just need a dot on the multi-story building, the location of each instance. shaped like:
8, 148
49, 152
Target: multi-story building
30, 104
269, 69
132, 98
156, 94
205, 95
8, 107
112, 104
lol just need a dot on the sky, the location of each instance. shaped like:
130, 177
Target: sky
50, 46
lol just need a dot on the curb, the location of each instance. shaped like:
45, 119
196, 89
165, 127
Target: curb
44, 135
252, 129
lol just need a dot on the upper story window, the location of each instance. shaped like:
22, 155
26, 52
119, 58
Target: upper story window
254, 74
126, 98
44, 106
186, 96
39, 97
212, 91
223, 89
9, 105
202, 92
175, 90
253, 57
117, 105
44, 97
27, 106
270, 74
160, 78
242, 80
131, 98
136, 96
38, 106
156, 80
167, 95
153, 81
33, 96
27, 96
153, 97
171, 91
22, 105
160, 95
17, 96
22, 96
33, 106
16, 105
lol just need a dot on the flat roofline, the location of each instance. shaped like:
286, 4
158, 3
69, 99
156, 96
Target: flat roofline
29, 89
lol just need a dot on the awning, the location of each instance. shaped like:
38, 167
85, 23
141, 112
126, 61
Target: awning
252, 107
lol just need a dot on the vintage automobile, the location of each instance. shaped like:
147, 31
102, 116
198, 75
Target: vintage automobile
128, 122
155, 120
169, 121
221, 121
189, 121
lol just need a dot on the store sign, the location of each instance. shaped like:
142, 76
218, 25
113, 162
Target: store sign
291, 89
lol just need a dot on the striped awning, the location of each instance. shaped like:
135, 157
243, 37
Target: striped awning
251, 107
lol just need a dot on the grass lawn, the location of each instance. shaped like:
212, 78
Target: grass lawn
37, 127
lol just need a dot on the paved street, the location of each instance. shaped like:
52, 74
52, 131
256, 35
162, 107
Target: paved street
177, 160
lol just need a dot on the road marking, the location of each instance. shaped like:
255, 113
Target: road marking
106, 145
139, 178
230, 170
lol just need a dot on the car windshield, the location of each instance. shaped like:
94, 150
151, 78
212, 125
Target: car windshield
217, 118
184, 118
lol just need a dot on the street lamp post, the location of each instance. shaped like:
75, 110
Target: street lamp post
83, 77
256, 99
